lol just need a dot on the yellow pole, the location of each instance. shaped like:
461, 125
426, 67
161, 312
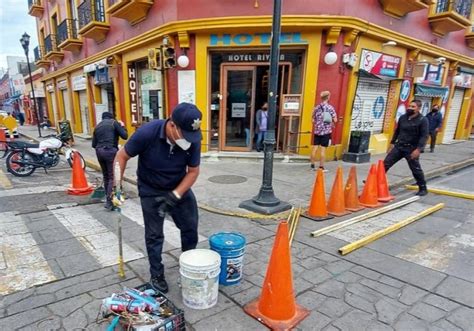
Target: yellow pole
295, 224
455, 194
363, 217
376, 235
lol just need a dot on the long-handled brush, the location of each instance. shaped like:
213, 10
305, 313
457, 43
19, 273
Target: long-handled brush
117, 201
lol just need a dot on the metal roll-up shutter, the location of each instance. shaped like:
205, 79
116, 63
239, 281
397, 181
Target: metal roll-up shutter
453, 116
368, 110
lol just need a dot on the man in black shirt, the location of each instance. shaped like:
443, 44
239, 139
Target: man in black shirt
105, 141
408, 141
435, 120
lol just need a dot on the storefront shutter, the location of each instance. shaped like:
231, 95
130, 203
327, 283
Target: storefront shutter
368, 110
453, 116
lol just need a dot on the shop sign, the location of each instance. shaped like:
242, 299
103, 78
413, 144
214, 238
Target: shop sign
62, 84
466, 81
93, 66
250, 57
239, 109
18, 83
430, 74
291, 105
39, 93
50, 88
380, 63
391, 103
132, 90
79, 83
403, 99
241, 39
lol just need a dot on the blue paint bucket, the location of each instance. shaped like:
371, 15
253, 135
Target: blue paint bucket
231, 248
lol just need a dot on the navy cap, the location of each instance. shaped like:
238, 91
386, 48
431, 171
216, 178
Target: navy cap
188, 118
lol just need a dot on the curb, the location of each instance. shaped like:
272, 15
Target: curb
400, 183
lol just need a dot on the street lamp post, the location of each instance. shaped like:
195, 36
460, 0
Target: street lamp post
25, 43
266, 202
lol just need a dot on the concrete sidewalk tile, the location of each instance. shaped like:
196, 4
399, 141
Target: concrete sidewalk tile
30, 303
458, 290
333, 308
77, 320
24, 318
233, 318
386, 290
315, 321
388, 310
354, 320
427, 312
311, 300
440, 302
462, 317
65, 307
445, 325
331, 288
49, 323
317, 276
359, 302
411, 294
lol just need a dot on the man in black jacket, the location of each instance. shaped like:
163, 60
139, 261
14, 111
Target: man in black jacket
408, 141
435, 120
105, 141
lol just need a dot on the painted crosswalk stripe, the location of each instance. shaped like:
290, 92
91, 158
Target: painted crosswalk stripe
133, 210
31, 190
22, 263
95, 237
4, 181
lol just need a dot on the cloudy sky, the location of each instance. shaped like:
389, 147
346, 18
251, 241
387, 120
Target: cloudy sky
14, 21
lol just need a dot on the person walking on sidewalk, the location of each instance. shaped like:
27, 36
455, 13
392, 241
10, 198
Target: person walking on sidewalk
105, 141
435, 120
261, 125
408, 142
324, 118
169, 155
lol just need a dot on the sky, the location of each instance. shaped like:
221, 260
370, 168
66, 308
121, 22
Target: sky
14, 21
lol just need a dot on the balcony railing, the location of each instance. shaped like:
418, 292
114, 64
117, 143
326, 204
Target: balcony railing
89, 11
37, 53
67, 30
48, 44
35, 8
52, 52
113, 2
462, 7
34, 2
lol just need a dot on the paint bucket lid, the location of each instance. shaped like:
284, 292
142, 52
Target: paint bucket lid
200, 259
227, 240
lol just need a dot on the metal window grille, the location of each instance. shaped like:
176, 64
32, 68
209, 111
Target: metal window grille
67, 30
91, 10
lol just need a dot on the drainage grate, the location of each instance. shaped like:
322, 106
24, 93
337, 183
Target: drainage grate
228, 179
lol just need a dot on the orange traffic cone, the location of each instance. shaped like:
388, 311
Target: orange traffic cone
369, 196
80, 186
3, 139
276, 307
382, 184
351, 197
317, 210
336, 204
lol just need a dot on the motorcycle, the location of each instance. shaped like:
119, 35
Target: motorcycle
24, 158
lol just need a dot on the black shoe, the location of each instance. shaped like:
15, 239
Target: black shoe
109, 205
422, 192
431, 150
159, 283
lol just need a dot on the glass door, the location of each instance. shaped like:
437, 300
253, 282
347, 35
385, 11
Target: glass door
237, 107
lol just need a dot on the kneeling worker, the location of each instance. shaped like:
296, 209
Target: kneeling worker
169, 154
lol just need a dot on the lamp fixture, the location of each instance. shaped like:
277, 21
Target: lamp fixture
331, 57
389, 43
183, 61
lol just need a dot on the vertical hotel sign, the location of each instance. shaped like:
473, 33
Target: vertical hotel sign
133, 95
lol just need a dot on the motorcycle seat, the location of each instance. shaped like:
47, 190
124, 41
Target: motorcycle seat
21, 144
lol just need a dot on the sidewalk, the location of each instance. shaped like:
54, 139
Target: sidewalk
226, 180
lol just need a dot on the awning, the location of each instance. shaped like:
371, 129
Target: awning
430, 91
466, 70
365, 74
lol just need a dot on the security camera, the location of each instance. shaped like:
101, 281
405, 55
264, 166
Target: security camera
441, 60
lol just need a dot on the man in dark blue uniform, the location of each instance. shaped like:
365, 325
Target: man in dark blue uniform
408, 142
435, 120
169, 154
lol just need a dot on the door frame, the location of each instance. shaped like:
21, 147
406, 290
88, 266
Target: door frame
225, 68
246, 66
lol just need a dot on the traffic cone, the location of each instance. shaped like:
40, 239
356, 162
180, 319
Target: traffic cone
383, 193
351, 197
369, 196
317, 210
3, 139
276, 307
79, 186
336, 204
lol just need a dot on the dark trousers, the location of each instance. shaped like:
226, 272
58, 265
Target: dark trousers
106, 156
399, 152
433, 135
185, 216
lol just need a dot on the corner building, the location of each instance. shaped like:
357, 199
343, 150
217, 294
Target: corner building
110, 55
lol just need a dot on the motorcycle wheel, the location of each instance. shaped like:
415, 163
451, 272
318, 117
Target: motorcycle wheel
17, 169
55, 161
70, 159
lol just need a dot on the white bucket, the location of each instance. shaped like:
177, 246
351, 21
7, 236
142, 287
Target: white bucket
199, 269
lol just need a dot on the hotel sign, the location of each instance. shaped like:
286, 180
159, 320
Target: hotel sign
242, 39
132, 90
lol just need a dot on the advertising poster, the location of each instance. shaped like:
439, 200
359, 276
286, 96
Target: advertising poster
186, 86
380, 63
238, 110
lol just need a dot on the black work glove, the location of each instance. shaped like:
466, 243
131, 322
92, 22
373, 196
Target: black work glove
166, 203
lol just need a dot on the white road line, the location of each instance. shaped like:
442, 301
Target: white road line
32, 190
133, 210
95, 237
22, 264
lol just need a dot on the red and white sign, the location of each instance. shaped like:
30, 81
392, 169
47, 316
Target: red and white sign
380, 63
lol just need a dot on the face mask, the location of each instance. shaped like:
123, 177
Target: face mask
181, 142
410, 111
434, 110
